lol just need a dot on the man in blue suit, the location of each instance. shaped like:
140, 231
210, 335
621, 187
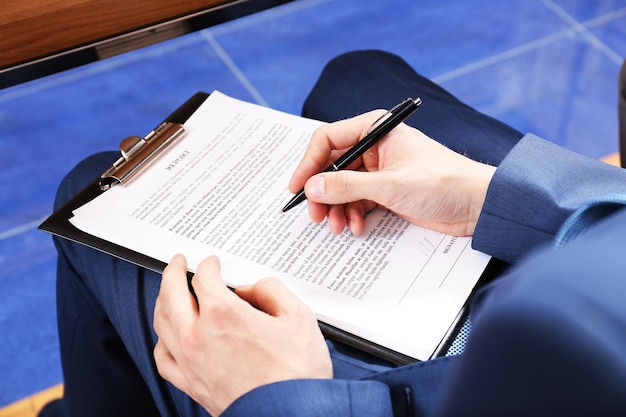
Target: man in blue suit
548, 337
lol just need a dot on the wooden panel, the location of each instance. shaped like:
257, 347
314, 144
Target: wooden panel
30, 406
613, 159
32, 29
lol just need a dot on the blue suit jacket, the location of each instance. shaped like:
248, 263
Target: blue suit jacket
547, 339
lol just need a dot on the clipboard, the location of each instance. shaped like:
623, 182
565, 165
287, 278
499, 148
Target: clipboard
136, 154
58, 223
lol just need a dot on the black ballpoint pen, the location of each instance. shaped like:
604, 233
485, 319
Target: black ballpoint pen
384, 125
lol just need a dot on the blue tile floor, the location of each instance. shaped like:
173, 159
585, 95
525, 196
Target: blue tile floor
544, 66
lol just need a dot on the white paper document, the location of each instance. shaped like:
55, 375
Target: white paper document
220, 189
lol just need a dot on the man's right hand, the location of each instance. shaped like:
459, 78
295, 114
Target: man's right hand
407, 173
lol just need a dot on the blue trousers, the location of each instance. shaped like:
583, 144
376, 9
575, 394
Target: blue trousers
105, 306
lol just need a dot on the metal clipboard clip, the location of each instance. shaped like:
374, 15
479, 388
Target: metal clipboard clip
138, 153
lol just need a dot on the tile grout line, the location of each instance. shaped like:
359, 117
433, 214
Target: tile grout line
584, 31
605, 18
106, 65
22, 228
576, 26
522, 49
234, 68
494, 59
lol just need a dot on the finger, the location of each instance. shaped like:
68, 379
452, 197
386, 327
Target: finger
166, 329
175, 309
271, 296
168, 367
174, 293
177, 264
208, 284
347, 186
317, 211
175, 304
326, 139
355, 216
337, 221
351, 215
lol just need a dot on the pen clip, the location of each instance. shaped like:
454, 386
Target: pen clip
138, 153
387, 115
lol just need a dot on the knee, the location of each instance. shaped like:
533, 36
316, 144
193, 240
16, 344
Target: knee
358, 59
82, 174
354, 82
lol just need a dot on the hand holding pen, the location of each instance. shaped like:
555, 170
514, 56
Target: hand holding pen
408, 173
379, 129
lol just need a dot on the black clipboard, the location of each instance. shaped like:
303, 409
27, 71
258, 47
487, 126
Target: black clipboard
59, 224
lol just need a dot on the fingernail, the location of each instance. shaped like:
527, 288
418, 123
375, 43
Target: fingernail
315, 187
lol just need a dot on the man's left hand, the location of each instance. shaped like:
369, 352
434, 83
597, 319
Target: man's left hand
229, 343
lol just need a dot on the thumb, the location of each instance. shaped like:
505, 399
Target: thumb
345, 187
269, 295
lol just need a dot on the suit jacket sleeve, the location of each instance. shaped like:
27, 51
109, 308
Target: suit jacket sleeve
535, 188
314, 397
